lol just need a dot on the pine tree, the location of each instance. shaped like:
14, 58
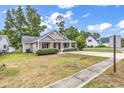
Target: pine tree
33, 22
60, 23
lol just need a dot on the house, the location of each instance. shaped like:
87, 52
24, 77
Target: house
90, 41
53, 39
4, 43
108, 41
118, 41
105, 41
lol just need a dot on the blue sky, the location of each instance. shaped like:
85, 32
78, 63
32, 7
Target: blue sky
107, 20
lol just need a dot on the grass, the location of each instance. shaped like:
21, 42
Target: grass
109, 79
9, 71
29, 70
101, 50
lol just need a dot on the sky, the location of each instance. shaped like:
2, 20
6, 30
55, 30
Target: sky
106, 20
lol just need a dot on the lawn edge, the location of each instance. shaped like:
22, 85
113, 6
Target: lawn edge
81, 86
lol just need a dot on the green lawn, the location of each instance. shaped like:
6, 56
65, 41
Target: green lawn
109, 79
101, 50
29, 70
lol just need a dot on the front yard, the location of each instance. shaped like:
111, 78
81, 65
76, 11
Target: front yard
109, 79
29, 70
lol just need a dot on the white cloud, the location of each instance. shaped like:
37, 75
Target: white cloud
99, 27
50, 21
74, 21
122, 32
68, 14
86, 15
65, 6
4, 11
52, 18
41, 18
120, 25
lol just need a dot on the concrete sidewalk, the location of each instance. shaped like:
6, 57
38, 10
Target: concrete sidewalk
81, 78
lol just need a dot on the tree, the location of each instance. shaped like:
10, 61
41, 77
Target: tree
33, 22
17, 24
71, 33
60, 23
8, 28
1, 33
80, 40
95, 35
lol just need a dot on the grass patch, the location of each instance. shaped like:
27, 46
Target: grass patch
38, 71
9, 71
109, 79
101, 50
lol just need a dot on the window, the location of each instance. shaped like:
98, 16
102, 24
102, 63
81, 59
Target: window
90, 40
45, 45
73, 45
4, 46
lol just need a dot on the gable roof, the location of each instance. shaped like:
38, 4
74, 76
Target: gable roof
55, 35
97, 40
4, 36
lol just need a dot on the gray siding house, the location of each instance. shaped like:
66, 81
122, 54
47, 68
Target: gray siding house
52, 39
108, 41
118, 41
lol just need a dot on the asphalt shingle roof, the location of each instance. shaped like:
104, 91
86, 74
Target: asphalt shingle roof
29, 39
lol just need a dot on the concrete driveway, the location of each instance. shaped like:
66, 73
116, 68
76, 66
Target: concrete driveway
102, 54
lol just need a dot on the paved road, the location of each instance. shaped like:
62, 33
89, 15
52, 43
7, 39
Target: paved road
102, 54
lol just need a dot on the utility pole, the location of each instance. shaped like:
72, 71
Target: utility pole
114, 53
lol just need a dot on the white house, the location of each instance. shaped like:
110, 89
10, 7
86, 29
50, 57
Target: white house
4, 43
90, 41
52, 39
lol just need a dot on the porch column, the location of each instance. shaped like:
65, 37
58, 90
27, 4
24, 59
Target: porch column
70, 45
62, 46
75, 45
51, 45
38, 47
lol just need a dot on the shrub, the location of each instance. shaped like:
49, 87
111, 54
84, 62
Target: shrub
69, 49
46, 51
101, 46
80, 40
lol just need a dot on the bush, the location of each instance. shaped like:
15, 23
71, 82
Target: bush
80, 40
101, 46
69, 49
46, 51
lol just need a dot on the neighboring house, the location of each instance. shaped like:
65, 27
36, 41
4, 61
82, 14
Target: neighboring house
52, 39
105, 41
108, 41
118, 41
4, 43
90, 41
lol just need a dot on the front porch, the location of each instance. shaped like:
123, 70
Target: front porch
59, 45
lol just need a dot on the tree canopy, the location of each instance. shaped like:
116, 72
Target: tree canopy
71, 33
18, 24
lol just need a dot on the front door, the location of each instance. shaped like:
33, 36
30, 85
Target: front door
57, 45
